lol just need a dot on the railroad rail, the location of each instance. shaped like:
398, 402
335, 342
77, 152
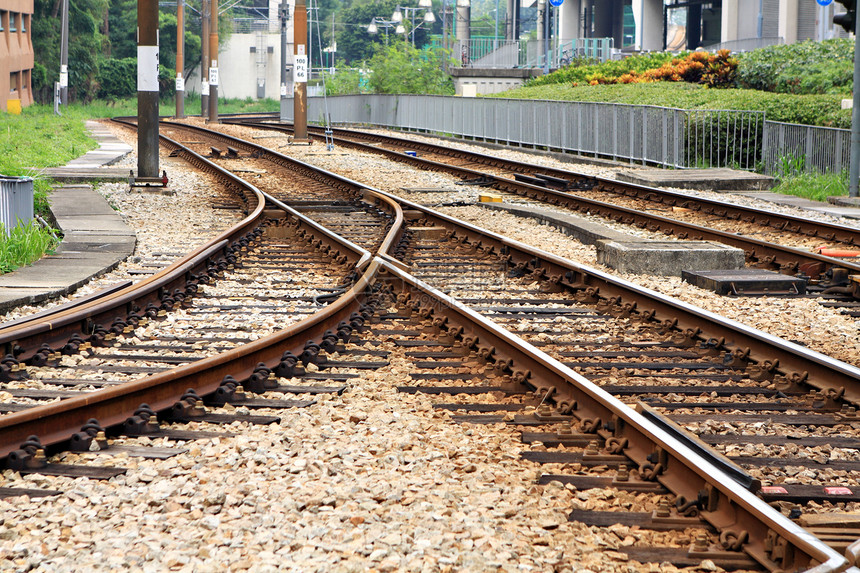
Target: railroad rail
660, 454
477, 242
563, 188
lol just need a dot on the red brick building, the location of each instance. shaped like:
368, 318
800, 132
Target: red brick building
16, 52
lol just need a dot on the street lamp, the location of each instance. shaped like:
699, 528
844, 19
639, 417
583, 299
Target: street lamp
423, 5
376, 23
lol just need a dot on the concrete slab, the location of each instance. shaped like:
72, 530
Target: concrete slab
746, 282
630, 254
581, 229
667, 257
720, 179
839, 207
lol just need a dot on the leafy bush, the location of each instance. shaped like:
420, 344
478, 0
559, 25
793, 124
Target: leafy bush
117, 79
345, 81
579, 73
824, 110
402, 69
802, 68
714, 70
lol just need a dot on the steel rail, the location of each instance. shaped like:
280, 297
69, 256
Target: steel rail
769, 357
55, 326
787, 260
827, 231
766, 357
725, 504
56, 422
774, 540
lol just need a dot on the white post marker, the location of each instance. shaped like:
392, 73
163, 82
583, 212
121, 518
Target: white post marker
180, 83
64, 76
213, 73
204, 87
147, 68
300, 70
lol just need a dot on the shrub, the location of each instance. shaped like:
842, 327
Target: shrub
802, 68
579, 71
117, 79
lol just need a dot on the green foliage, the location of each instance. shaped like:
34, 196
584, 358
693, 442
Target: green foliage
402, 69
354, 44
583, 72
802, 68
824, 110
117, 78
345, 81
27, 242
86, 43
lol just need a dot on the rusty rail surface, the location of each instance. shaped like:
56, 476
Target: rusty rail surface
787, 260
773, 540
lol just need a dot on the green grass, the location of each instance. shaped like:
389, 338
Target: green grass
815, 186
26, 243
38, 139
167, 106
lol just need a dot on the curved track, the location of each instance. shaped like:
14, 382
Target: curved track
564, 396
671, 213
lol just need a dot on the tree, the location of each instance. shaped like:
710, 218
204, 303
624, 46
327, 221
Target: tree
354, 44
402, 69
85, 45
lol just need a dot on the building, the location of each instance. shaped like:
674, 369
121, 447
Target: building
653, 25
16, 54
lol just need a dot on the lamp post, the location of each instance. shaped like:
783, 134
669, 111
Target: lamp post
428, 18
376, 23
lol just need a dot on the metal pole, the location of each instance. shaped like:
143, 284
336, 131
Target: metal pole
496, 29
180, 59
284, 13
147, 88
204, 64
213, 66
64, 54
300, 79
854, 173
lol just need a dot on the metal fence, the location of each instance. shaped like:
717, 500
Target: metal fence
635, 133
16, 201
500, 53
746, 44
786, 145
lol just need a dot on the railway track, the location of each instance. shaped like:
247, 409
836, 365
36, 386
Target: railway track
771, 241
534, 385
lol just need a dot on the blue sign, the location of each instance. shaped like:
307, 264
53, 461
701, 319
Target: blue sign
557, 3
824, 2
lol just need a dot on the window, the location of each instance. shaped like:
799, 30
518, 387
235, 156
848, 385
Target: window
2, 19
12, 26
24, 21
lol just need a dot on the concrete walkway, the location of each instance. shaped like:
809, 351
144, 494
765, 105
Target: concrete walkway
95, 240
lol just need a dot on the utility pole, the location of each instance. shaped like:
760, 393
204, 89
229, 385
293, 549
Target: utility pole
64, 54
180, 59
147, 89
284, 13
300, 73
204, 64
851, 23
854, 171
213, 58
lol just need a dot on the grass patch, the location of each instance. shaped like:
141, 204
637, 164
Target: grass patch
815, 186
26, 243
